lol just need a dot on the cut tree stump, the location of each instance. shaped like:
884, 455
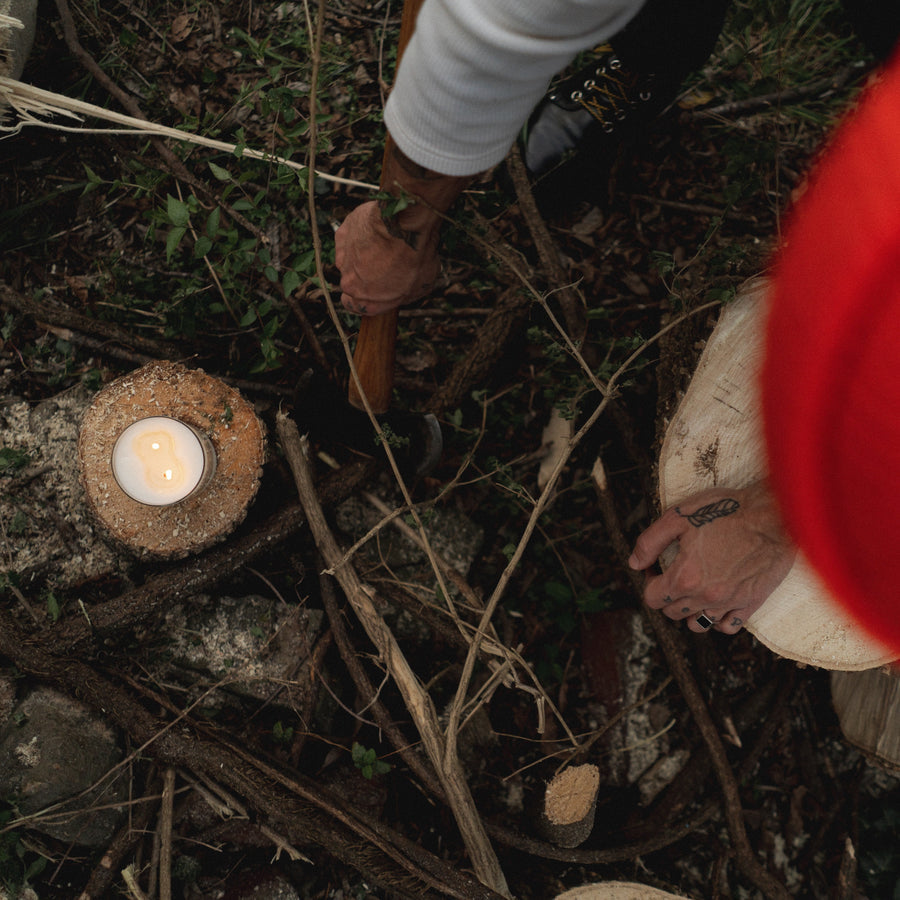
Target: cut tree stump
570, 800
716, 439
618, 890
868, 709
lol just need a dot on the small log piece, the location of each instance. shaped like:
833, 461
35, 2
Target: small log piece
868, 710
715, 439
617, 890
570, 801
207, 405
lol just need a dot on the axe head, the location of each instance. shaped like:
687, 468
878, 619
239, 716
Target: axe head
322, 409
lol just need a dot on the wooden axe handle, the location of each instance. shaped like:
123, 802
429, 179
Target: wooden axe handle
377, 339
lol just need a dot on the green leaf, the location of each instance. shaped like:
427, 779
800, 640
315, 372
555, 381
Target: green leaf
173, 240
212, 222
11, 459
219, 172
52, 607
202, 246
290, 282
178, 211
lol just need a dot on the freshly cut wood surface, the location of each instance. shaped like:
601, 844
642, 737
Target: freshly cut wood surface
868, 709
716, 439
617, 890
570, 801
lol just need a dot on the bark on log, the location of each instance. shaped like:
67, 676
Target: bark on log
715, 439
868, 709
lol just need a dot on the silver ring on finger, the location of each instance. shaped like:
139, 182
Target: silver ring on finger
705, 622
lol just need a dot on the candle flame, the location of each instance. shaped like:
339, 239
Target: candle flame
158, 452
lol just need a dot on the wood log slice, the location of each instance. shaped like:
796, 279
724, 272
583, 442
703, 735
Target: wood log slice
716, 439
868, 709
617, 890
202, 402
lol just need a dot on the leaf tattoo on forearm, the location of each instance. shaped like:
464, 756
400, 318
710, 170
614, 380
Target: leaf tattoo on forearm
710, 512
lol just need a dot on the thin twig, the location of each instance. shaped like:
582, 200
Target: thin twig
417, 701
165, 835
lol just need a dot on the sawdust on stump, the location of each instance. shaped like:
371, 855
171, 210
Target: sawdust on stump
212, 408
570, 801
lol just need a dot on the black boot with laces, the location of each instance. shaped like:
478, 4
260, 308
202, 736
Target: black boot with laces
599, 100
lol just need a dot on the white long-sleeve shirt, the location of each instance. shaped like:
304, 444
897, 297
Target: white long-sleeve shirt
474, 69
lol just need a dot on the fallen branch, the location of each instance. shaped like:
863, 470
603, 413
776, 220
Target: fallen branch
417, 701
135, 607
30, 102
675, 657
295, 805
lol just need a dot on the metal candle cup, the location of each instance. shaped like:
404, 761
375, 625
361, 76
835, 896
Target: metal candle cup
160, 460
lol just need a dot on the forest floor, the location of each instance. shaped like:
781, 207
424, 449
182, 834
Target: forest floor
120, 248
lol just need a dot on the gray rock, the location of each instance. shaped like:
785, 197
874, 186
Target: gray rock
253, 645
15, 43
45, 527
57, 763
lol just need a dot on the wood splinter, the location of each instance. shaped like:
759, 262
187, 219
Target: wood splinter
570, 801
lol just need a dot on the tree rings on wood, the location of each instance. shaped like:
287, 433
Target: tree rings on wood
868, 709
715, 439
210, 407
617, 890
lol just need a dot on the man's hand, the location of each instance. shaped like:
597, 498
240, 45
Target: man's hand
732, 553
383, 265
390, 258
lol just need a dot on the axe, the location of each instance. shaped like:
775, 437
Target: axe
374, 354
415, 439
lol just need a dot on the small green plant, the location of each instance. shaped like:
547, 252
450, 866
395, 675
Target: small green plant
367, 761
11, 460
282, 734
18, 866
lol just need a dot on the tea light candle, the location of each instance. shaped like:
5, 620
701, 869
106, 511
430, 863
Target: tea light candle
159, 461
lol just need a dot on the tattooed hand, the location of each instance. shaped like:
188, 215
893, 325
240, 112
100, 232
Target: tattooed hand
732, 553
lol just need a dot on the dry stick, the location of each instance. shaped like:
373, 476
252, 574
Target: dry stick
767, 101
423, 771
55, 314
306, 326
419, 704
298, 805
123, 843
165, 835
571, 301
675, 657
137, 606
